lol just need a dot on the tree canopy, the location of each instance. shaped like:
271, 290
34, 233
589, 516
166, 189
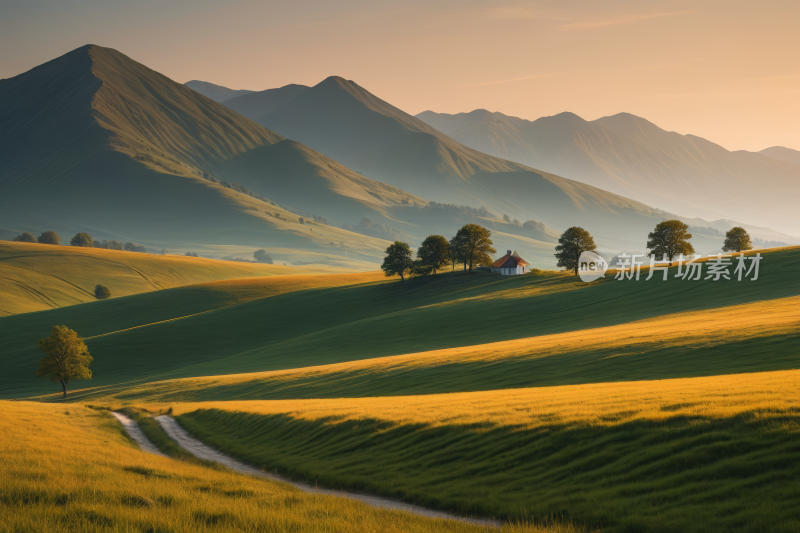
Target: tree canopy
571, 245
82, 239
262, 257
737, 240
101, 292
670, 238
50, 237
434, 253
67, 357
25, 236
474, 246
398, 260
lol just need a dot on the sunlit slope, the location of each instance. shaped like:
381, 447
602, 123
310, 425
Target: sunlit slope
740, 338
35, 277
387, 318
95, 141
702, 454
73, 469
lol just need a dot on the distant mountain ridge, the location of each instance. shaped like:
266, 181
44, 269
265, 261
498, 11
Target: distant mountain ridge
631, 156
217, 93
781, 152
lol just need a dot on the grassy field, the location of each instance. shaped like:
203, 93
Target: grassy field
67, 469
36, 277
194, 331
700, 454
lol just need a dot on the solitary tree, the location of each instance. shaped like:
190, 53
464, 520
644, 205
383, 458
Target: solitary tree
101, 292
67, 357
434, 252
25, 236
457, 247
737, 240
571, 245
50, 237
670, 238
398, 260
262, 257
82, 239
476, 246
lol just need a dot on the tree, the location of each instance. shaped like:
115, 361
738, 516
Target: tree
82, 239
475, 246
457, 250
67, 357
50, 237
101, 292
262, 257
113, 245
25, 236
737, 240
670, 238
302, 221
133, 247
398, 260
571, 245
434, 252
191, 254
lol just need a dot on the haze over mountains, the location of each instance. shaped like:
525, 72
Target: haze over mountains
628, 155
217, 93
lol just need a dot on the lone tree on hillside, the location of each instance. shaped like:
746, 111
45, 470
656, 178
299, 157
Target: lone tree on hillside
434, 252
262, 257
457, 246
571, 245
101, 292
67, 357
25, 236
670, 238
82, 239
50, 237
398, 260
475, 246
737, 240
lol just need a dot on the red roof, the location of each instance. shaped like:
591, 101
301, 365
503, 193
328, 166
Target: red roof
510, 260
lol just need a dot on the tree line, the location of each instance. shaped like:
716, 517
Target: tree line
471, 246
81, 239
669, 239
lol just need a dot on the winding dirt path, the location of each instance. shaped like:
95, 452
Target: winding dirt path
137, 434
202, 451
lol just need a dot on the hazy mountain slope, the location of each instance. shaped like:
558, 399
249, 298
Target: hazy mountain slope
346, 122
217, 93
95, 141
628, 155
783, 153
255, 105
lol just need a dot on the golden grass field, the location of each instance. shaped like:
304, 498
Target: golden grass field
35, 277
696, 454
71, 468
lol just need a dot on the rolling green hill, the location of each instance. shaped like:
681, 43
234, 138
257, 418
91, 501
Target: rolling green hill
195, 331
631, 156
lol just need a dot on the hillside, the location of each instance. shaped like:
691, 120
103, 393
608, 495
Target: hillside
257, 104
218, 93
133, 156
369, 135
785, 154
562, 331
36, 277
628, 155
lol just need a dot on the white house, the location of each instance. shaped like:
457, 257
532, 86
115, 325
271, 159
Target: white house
511, 264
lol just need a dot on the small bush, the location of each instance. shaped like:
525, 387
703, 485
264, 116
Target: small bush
25, 236
102, 292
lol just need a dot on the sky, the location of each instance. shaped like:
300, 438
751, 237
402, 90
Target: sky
728, 71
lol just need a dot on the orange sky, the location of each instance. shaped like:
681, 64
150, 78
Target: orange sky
724, 70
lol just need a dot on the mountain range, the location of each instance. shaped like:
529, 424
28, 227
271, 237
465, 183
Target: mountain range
218, 93
633, 157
